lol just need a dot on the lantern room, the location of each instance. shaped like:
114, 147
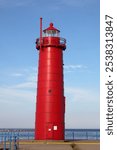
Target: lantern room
51, 31
51, 38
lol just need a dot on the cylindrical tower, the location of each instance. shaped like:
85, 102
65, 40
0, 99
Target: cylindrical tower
50, 103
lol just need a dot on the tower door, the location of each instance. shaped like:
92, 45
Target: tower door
49, 131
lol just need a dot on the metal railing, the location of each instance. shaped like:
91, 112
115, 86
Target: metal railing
82, 134
70, 134
9, 138
62, 41
9, 143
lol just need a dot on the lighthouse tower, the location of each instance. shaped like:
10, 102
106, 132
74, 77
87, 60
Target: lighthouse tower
50, 100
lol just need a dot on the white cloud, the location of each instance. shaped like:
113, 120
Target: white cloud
20, 86
19, 99
25, 78
25, 85
82, 120
79, 94
82, 108
20, 104
72, 68
16, 74
9, 95
17, 108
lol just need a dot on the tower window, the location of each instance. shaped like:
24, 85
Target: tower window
49, 91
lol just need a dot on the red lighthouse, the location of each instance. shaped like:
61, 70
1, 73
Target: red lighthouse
50, 102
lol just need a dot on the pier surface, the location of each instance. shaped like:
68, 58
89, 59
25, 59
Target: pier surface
56, 145
68, 145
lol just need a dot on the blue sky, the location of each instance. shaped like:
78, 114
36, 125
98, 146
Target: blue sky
78, 21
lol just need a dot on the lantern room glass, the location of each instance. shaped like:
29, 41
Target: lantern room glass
51, 33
